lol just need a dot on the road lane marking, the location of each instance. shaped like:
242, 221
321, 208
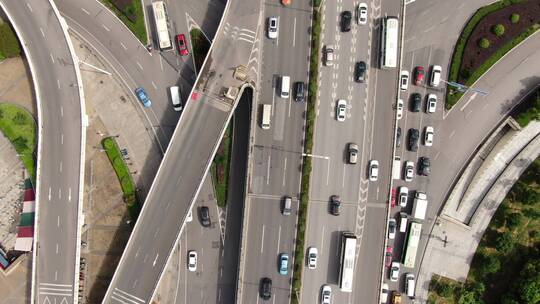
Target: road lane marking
87, 12
62, 111
49, 193
56, 276
473, 96
294, 33
106, 28
123, 46
155, 260
56, 248
140, 66
289, 106
154, 85
343, 177
262, 239
126, 296
29, 7
60, 167
59, 193
57, 224
62, 138
284, 171
156, 233
42, 32
69, 194
328, 173
322, 239
278, 238
145, 258
161, 63
268, 171
452, 134
52, 58
58, 83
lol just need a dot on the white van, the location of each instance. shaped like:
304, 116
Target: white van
409, 285
266, 115
285, 86
287, 205
402, 222
175, 98
436, 71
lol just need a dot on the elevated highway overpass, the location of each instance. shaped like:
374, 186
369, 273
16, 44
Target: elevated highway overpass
188, 157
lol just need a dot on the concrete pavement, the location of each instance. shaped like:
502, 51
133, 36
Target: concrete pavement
456, 241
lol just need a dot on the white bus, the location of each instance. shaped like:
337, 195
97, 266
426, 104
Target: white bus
389, 42
162, 25
411, 247
347, 261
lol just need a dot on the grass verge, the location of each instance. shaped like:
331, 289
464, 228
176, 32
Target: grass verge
9, 44
306, 168
506, 265
132, 16
124, 176
200, 46
221, 167
20, 128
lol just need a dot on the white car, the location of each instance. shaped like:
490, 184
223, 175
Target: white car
361, 13
394, 272
428, 136
192, 260
273, 27
312, 258
329, 55
435, 79
431, 104
392, 224
384, 293
404, 80
399, 108
403, 196
409, 171
373, 170
326, 295
341, 110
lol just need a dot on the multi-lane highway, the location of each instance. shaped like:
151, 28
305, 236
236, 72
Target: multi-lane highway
187, 159
58, 86
369, 124
276, 154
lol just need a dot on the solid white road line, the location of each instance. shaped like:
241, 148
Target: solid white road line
262, 239
328, 173
278, 238
294, 33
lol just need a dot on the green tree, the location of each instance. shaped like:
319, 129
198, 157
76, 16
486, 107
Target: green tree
468, 297
489, 263
505, 242
514, 18
498, 30
514, 220
529, 283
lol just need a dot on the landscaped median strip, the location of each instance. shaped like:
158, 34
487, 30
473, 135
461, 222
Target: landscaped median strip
469, 77
131, 14
124, 176
306, 168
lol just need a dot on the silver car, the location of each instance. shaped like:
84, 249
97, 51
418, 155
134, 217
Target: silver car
409, 171
312, 258
329, 55
428, 136
373, 170
431, 104
353, 153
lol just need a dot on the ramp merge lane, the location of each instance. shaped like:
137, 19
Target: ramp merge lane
59, 157
187, 159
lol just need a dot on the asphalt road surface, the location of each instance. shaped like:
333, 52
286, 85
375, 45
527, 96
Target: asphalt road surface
186, 162
59, 157
369, 124
276, 155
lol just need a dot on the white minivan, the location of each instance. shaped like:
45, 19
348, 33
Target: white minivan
175, 98
285, 86
266, 116
436, 71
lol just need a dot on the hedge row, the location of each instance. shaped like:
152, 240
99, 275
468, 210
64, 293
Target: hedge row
306, 169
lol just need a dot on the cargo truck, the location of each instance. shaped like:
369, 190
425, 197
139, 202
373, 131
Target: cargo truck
420, 205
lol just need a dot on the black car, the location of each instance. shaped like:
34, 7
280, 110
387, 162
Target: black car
414, 135
398, 137
346, 17
360, 71
265, 289
205, 216
335, 205
299, 91
424, 167
416, 102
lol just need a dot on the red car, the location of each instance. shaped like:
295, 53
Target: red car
419, 75
388, 256
182, 44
